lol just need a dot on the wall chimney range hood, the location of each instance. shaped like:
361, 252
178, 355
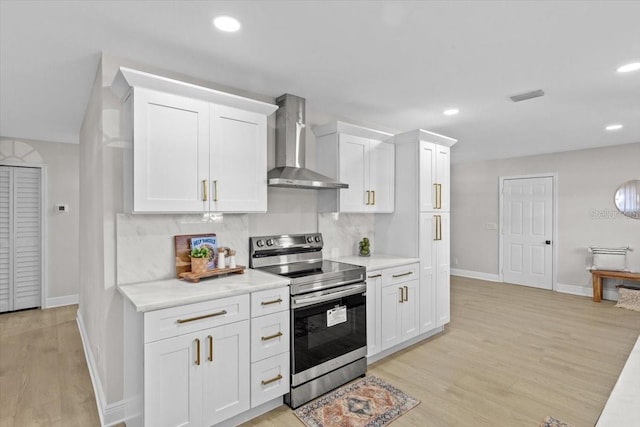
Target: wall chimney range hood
290, 171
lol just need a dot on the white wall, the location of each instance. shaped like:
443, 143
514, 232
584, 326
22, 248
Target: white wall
62, 253
587, 181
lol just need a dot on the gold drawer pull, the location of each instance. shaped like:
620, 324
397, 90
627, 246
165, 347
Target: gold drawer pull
275, 301
270, 337
401, 295
206, 316
197, 351
368, 198
406, 293
272, 380
210, 348
374, 276
373, 195
403, 274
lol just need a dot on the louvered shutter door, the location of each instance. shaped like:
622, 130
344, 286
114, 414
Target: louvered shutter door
6, 294
27, 238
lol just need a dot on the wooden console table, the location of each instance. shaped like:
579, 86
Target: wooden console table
598, 275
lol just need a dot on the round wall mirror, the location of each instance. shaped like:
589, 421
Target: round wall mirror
627, 199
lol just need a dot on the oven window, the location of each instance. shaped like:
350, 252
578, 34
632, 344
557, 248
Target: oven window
316, 342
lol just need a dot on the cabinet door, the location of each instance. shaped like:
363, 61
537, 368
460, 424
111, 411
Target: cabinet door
226, 372
381, 176
374, 290
354, 170
238, 160
443, 303
427, 176
442, 176
410, 310
173, 382
427, 272
170, 152
390, 330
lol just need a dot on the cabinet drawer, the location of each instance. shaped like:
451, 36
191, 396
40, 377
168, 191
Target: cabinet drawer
400, 274
184, 319
269, 301
269, 379
269, 335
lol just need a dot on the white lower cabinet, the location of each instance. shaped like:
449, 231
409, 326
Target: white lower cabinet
207, 362
198, 378
270, 343
392, 307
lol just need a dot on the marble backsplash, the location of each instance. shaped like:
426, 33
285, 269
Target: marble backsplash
145, 243
342, 232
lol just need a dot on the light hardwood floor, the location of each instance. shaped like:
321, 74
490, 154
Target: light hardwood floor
510, 356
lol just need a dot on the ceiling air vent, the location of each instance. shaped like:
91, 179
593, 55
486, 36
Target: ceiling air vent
527, 95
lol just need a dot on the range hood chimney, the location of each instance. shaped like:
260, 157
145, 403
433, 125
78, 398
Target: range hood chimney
290, 171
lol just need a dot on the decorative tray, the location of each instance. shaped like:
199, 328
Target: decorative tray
195, 277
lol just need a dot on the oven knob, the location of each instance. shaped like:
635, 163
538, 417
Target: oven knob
309, 239
318, 238
259, 243
270, 242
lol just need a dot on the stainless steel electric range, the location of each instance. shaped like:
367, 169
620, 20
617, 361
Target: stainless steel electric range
328, 312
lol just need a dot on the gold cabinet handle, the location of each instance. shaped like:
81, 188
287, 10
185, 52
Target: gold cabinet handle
439, 196
197, 351
210, 338
401, 295
374, 276
406, 293
272, 380
368, 197
275, 301
206, 316
205, 190
373, 193
270, 337
438, 227
402, 274
215, 190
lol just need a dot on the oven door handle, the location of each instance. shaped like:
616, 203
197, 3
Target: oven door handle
303, 301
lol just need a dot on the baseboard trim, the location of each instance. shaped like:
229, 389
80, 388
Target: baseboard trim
110, 414
475, 275
62, 301
586, 291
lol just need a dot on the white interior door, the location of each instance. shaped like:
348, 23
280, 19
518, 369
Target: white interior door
527, 231
20, 238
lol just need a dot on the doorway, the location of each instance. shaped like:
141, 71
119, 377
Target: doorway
528, 230
21, 243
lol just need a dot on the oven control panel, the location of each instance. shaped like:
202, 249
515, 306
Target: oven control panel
291, 242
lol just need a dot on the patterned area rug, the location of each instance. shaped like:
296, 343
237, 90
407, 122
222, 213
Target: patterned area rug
369, 402
552, 422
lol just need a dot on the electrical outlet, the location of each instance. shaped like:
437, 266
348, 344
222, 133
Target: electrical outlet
455, 261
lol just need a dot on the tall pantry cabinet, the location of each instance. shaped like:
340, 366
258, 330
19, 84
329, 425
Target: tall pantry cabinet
421, 219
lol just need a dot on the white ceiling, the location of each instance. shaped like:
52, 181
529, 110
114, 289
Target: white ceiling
392, 65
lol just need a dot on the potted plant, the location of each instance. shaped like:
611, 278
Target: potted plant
364, 249
199, 259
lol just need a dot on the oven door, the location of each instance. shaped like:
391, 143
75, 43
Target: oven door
329, 330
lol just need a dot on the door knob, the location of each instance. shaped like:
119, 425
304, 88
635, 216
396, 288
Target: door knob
548, 242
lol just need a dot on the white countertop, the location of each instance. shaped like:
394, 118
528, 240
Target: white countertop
159, 294
377, 261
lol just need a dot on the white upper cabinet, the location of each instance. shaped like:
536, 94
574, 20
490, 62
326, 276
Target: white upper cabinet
238, 160
170, 152
360, 158
434, 177
195, 149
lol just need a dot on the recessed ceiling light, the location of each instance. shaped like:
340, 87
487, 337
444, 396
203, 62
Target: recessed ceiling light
451, 112
227, 24
635, 66
614, 127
